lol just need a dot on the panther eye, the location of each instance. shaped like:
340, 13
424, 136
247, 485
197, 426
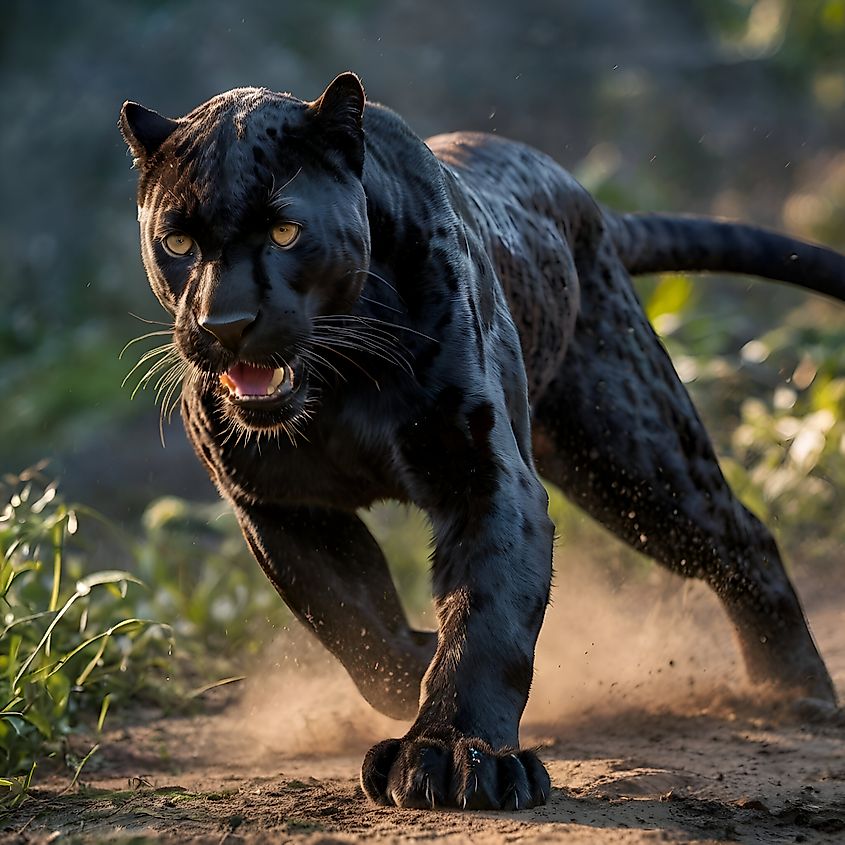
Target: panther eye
178, 244
285, 234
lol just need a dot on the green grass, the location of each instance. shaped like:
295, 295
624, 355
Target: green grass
184, 605
71, 642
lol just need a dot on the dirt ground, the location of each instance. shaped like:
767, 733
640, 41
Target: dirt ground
648, 729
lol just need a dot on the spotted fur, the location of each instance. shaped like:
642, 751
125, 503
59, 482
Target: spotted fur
462, 316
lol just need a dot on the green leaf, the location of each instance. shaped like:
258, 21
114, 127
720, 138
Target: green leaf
104, 709
672, 295
111, 576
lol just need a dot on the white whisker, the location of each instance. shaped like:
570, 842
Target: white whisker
380, 304
380, 279
162, 333
150, 322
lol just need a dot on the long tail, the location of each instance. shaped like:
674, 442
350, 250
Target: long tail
653, 243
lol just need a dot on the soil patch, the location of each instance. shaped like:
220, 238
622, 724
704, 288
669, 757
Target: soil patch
639, 709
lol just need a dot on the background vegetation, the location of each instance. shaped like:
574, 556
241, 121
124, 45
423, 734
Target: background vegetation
732, 107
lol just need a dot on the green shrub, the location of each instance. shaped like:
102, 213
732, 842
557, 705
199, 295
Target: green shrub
206, 585
773, 403
70, 643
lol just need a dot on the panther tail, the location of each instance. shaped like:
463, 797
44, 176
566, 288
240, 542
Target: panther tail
653, 243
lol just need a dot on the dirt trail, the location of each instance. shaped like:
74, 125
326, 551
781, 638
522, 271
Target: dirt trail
639, 707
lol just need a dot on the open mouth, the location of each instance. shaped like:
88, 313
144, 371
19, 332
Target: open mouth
253, 386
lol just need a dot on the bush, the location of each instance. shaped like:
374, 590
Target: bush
71, 644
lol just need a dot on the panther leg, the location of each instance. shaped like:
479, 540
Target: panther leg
330, 571
491, 577
619, 434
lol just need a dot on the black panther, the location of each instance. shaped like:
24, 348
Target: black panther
360, 315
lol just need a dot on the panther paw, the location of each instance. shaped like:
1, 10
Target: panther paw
430, 772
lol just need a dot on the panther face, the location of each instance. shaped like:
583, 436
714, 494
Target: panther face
254, 234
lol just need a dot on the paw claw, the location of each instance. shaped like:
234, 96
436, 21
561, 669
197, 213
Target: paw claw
538, 778
375, 771
428, 773
419, 776
513, 778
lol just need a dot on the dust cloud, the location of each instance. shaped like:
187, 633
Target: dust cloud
655, 643
300, 701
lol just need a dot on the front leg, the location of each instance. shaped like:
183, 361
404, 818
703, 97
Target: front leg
331, 573
492, 573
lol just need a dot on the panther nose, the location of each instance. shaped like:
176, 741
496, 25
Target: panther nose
229, 329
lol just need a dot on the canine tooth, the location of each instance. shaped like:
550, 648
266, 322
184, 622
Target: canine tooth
278, 377
227, 382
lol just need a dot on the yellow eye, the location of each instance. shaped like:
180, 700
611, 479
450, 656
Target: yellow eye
285, 234
178, 243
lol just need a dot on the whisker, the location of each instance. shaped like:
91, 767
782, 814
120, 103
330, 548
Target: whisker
320, 359
174, 374
380, 304
276, 198
149, 322
377, 352
163, 354
159, 333
379, 346
167, 380
229, 431
313, 368
168, 405
373, 334
362, 319
171, 396
290, 436
351, 361
167, 353
148, 376
375, 321
165, 360
380, 278
157, 350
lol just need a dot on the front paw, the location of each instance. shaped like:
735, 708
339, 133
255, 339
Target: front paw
428, 772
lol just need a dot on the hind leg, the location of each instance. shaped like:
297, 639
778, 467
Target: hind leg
620, 436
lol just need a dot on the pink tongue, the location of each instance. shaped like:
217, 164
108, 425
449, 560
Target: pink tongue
250, 380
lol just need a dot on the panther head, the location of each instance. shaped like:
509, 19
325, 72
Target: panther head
254, 230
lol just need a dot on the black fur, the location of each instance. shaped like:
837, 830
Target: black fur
440, 296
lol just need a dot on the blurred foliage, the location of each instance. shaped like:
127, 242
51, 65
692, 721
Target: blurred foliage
62, 388
404, 534
71, 641
788, 453
799, 34
78, 642
207, 585
773, 403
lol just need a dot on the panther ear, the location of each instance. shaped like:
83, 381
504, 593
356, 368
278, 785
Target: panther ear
339, 114
144, 130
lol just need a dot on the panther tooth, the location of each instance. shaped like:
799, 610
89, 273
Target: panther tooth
279, 375
228, 383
